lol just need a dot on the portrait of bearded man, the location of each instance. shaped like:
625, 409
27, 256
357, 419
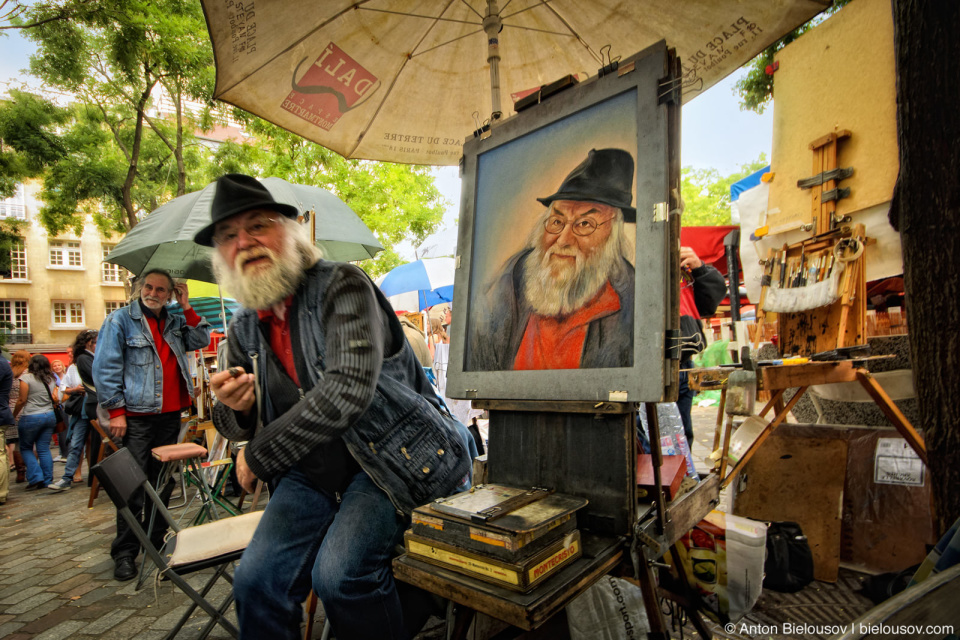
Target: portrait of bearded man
566, 299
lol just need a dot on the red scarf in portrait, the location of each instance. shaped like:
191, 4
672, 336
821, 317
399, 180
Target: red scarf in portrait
557, 343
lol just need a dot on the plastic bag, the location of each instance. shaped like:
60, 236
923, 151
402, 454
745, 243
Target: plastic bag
716, 354
723, 558
673, 441
789, 565
612, 609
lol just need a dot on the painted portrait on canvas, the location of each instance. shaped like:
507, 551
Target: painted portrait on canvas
555, 280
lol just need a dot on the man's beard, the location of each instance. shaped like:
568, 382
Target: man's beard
575, 285
154, 304
265, 286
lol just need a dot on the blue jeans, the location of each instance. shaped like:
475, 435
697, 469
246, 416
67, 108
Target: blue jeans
79, 426
63, 438
685, 397
344, 547
37, 429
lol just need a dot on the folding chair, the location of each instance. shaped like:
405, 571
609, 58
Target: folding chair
212, 545
105, 441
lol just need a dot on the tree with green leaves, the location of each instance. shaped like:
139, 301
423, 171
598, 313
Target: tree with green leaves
706, 194
111, 57
109, 154
756, 87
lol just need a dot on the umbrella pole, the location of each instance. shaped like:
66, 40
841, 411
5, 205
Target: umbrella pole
492, 25
223, 310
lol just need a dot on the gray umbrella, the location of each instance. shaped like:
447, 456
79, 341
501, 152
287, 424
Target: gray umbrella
164, 239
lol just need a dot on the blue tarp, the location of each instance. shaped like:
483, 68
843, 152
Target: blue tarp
747, 183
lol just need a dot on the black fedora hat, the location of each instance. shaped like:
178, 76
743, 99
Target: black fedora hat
606, 176
237, 193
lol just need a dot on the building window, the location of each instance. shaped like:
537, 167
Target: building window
111, 306
14, 207
68, 314
16, 313
110, 272
65, 253
18, 260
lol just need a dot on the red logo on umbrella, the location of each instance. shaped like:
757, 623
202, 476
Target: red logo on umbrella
330, 87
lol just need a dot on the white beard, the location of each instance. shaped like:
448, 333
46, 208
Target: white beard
574, 286
267, 286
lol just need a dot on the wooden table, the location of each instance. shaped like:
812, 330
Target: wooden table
777, 379
588, 450
601, 555
527, 611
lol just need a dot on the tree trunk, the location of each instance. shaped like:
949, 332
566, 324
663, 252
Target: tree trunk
127, 188
178, 150
926, 211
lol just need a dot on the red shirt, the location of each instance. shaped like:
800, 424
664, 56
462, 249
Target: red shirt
688, 305
557, 343
172, 377
280, 337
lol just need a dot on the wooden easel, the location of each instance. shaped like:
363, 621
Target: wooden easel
777, 379
813, 331
824, 192
587, 450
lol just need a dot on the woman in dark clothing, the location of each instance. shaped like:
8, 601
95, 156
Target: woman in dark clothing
84, 362
83, 348
37, 420
701, 291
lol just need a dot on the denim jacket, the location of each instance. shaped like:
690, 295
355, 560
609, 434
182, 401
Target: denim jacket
126, 366
405, 441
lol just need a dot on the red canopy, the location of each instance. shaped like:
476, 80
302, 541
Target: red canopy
707, 242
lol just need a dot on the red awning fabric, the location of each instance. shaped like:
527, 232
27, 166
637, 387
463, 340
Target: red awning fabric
707, 242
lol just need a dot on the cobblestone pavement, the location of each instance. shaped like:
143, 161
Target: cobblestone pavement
56, 575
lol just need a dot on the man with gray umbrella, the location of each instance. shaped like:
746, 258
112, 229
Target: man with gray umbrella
565, 301
339, 418
141, 371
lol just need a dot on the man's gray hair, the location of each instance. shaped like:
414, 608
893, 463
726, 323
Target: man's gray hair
138, 283
262, 291
309, 252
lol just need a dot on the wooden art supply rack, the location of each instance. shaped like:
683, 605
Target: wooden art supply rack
817, 286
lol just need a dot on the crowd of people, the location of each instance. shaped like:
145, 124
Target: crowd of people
34, 392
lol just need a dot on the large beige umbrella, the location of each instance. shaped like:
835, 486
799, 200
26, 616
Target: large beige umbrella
409, 80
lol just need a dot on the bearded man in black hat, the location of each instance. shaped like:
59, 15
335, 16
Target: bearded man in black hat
566, 300
340, 418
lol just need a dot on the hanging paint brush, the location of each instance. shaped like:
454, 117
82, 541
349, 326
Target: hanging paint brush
783, 266
765, 281
800, 270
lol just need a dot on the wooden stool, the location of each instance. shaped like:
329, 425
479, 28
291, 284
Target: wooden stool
186, 457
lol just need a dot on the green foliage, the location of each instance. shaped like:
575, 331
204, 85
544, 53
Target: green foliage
10, 231
28, 130
756, 87
706, 194
111, 56
106, 155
